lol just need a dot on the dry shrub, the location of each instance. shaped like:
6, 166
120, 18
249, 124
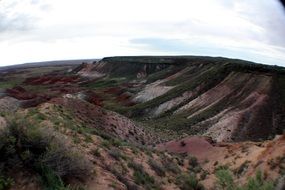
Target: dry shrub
42, 149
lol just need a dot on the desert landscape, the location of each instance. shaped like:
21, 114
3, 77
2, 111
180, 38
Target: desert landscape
142, 95
152, 122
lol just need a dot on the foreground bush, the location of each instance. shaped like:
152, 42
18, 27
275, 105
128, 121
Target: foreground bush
42, 150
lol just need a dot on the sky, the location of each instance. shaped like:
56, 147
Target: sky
42, 30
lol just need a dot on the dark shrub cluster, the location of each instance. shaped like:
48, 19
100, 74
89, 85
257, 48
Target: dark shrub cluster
143, 178
225, 180
188, 182
157, 167
42, 150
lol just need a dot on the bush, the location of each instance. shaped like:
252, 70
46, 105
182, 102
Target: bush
193, 161
142, 178
225, 179
51, 180
204, 174
243, 167
135, 166
221, 167
226, 182
96, 152
188, 182
42, 150
115, 153
170, 165
257, 183
5, 183
158, 168
121, 177
65, 162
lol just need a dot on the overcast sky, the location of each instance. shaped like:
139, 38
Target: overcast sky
39, 30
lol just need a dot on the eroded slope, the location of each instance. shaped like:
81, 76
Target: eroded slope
227, 100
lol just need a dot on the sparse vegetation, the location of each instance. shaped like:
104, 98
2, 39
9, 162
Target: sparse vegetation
116, 153
278, 162
157, 167
96, 152
243, 167
225, 181
143, 178
188, 182
102, 83
65, 117
42, 150
222, 167
204, 175
170, 165
193, 162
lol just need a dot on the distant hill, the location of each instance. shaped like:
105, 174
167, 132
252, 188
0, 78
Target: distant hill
48, 63
226, 99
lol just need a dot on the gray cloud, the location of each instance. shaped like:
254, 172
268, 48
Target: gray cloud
13, 20
248, 29
18, 22
269, 15
164, 45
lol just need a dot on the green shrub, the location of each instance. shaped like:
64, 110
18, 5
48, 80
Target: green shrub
257, 182
88, 138
51, 181
106, 144
221, 167
43, 150
115, 153
65, 162
188, 182
142, 178
225, 179
225, 182
173, 167
120, 175
157, 167
135, 166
